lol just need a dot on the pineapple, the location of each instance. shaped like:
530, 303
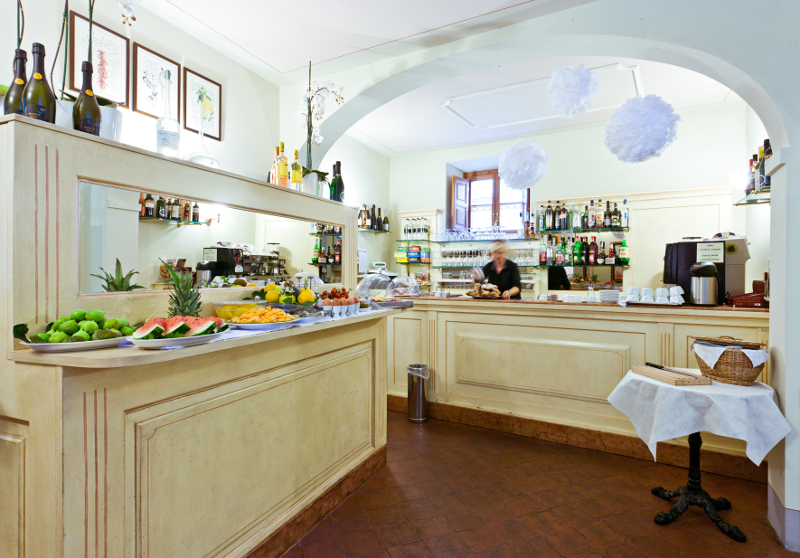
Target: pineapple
184, 298
118, 282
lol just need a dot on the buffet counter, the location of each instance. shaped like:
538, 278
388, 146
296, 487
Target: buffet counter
550, 361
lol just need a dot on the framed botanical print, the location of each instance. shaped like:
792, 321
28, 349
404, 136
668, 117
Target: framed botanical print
149, 87
110, 59
202, 104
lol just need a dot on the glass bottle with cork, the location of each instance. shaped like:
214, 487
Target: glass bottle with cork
12, 104
38, 100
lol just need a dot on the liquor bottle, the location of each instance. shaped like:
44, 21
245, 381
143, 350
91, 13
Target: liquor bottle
566, 218
322, 258
591, 216
615, 217
329, 256
361, 217
548, 219
576, 217
756, 173
559, 253
161, 208
273, 173
37, 98
601, 255
141, 204
624, 257
576, 251
13, 101
373, 218
557, 216
543, 251
176, 210
593, 251
297, 172
549, 252
584, 251
611, 258
337, 253
149, 206
607, 216
542, 226
598, 216
585, 218
168, 129
623, 221
283, 168
767, 149
187, 211
567, 252
196, 213
386, 223
315, 253
379, 222
526, 227
762, 168
340, 185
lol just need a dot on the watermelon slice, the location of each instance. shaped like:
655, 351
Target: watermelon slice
153, 326
176, 326
200, 326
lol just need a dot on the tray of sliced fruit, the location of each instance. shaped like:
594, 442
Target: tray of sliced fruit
264, 319
177, 331
80, 331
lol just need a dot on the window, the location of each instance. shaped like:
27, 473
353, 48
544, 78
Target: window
492, 203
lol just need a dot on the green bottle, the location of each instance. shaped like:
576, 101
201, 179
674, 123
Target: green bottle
13, 100
86, 115
38, 100
576, 251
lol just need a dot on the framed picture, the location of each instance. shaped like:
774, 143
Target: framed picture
110, 59
210, 110
148, 85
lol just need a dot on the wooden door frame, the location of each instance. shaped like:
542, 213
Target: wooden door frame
495, 176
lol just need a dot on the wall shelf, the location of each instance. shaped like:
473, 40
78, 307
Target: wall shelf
325, 234
169, 221
573, 231
373, 231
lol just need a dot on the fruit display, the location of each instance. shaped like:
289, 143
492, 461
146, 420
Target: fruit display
78, 327
230, 310
184, 297
266, 315
179, 326
288, 293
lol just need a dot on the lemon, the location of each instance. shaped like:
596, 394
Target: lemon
306, 296
270, 287
251, 285
273, 296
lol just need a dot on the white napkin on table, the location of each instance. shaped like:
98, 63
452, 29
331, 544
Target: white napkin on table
710, 354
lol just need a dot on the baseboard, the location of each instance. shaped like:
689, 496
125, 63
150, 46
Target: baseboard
786, 522
292, 531
619, 444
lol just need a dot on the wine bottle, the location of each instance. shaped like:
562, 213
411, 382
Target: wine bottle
149, 206
38, 100
623, 221
340, 186
385, 223
168, 129
548, 219
283, 168
196, 213
297, 172
379, 224
86, 115
13, 100
273, 173
187, 211
334, 184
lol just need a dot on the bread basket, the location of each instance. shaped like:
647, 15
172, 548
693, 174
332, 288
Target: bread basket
733, 367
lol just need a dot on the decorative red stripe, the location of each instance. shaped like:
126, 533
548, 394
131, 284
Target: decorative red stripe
85, 482
105, 473
46, 234
36, 229
58, 275
96, 478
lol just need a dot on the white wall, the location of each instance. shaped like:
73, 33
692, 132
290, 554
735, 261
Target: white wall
250, 111
757, 217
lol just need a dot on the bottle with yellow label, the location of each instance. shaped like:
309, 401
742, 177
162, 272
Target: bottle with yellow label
283, 168
297, 172
13, 100
86, 114
38, 100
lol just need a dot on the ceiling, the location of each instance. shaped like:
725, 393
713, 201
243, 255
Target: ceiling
278, 38
511, 100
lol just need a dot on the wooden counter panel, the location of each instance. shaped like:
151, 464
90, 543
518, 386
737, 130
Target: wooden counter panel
12, 488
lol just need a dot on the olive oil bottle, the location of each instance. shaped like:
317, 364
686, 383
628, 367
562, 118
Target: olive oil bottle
13, 100
38, 100
86, 114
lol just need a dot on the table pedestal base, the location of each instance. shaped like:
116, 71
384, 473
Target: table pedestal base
693, 495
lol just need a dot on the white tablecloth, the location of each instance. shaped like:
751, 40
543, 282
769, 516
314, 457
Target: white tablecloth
662, 411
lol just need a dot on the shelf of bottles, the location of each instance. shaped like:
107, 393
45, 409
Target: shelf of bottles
376, 231
608, 266
330, 264
589, 231
325, 234
328, 253
171, 221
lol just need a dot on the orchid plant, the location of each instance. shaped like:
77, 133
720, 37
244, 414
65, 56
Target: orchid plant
128, 14
314, 101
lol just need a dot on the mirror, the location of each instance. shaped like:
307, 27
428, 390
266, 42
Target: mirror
217, 243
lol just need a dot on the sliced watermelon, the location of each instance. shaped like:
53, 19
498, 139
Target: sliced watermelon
153, 326
200, 326
176, 326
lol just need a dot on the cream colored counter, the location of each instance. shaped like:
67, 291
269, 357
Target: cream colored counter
550, 361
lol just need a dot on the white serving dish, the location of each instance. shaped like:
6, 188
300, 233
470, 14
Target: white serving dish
74, 347
177, 342
267, 327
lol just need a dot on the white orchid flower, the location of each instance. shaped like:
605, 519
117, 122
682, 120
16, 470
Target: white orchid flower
128, 13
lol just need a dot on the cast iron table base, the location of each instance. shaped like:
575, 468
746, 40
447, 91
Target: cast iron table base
693, 495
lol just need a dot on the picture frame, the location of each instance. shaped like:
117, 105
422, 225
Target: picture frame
110, 57
147, 86
192, 83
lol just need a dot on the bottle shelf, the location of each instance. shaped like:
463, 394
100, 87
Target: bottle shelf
373, 231
171, 221
330, 264
609, 266
325, 234
421, 240
414, 263
486, 242
573, 231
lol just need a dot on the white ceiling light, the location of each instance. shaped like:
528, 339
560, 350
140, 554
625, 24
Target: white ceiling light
641, 129
522, 165
571, 90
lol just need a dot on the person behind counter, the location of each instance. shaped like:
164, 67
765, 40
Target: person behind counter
501, 271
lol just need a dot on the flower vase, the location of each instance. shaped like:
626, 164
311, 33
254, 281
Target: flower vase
310, 184
202, 156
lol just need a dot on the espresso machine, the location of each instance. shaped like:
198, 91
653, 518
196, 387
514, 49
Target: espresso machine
224, 261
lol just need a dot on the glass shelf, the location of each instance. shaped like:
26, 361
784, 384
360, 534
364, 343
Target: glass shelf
421, 240
330, 264
373, 231
533, 266
483, 241
172, 221
573, 231
325, 234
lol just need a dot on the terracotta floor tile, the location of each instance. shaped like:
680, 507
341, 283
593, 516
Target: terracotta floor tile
514, 530
386, 516
447, 546
568, 543
294, 552
655, 546
324, 530
543, 523
600, 534
495, 513
435, 488
418, 509
465, 519
502, 552
482, 538
374, 500
412, 550
406, 493
447, 503
330, 548
398, 534
358, 543
535, 548
432, 526
479, 496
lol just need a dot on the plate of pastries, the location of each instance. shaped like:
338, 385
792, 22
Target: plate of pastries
484, 290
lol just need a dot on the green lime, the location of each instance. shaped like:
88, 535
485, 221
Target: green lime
89, 326
69, 327
58, 337
96, 315
78, 315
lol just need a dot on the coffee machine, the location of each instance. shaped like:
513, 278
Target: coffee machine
727, 254
224, 261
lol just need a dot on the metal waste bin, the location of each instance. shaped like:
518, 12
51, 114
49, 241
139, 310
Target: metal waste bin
418, 374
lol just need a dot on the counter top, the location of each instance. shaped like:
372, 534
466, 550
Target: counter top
133, 356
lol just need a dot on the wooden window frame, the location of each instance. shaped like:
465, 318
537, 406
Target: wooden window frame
495, 176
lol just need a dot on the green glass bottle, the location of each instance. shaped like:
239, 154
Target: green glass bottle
86, 114
38, 100
13, 100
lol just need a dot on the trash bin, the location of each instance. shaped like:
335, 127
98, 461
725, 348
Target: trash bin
417, 399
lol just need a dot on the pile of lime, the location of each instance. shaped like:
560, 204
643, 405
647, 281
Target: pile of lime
84, 326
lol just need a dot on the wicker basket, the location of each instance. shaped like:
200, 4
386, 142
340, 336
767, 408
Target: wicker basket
733, 366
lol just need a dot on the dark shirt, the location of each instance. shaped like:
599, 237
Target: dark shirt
557, 279
507, 278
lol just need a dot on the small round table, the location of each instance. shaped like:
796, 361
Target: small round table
661, 411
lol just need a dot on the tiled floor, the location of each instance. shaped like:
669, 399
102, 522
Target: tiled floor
451, 490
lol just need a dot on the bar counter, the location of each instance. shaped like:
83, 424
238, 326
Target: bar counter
551, 362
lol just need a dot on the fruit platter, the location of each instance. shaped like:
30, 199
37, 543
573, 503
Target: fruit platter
264, 319
288, 293
80, 331
176, 331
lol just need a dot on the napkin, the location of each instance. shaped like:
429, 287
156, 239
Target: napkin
710, 354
